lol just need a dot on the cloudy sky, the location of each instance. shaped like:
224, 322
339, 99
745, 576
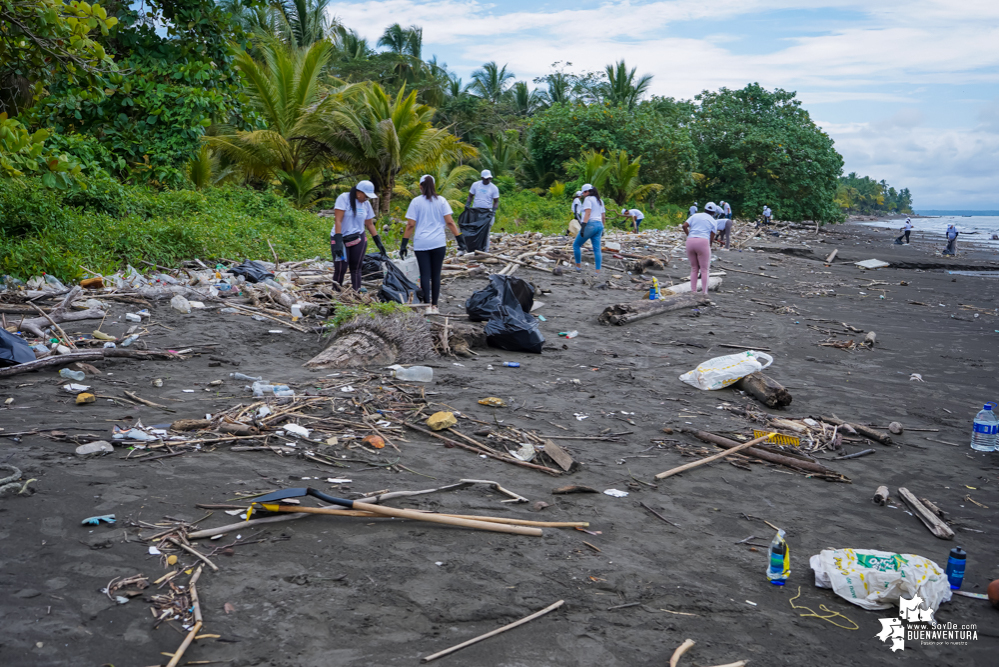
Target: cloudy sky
908, 89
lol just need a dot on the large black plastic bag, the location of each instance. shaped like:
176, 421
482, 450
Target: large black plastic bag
371, 267
475, 224
485, 303
254, 271
397, 287
513, 329
13, 350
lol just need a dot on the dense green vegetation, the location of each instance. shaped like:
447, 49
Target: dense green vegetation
176, 128
870, 197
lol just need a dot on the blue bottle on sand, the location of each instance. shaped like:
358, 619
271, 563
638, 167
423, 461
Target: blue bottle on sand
955, 567
778, 567
511, 364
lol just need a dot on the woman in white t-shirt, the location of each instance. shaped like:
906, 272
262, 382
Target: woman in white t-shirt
592, 229
353, 213
426, 218
700, 231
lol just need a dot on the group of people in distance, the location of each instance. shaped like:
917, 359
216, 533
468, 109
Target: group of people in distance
427, 217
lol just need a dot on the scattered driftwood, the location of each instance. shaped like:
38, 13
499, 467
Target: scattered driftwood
88, 355
509, 626
623, 313
482, 452
381, 340
855, 455
198, 621
642, 264
881, 496
765, 389
934, 523
781, 459
832, 256
559, 455
242, 525
877, 436
61, 313
695, 464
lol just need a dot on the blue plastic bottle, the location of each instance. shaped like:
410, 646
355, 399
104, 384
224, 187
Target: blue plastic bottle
779, 565
512, 364
955, 567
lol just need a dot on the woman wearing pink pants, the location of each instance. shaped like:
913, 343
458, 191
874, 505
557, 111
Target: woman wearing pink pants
700, 230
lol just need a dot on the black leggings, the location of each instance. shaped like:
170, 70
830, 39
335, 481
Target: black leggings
430, 262
905, 234
355, 258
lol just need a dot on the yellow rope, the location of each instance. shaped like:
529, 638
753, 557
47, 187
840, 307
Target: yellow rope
831, 614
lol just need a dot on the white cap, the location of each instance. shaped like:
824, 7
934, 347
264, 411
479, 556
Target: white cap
712, 207
425, 177
486, 173
587, 187
578, 192
368, 188
624, 210
695, 203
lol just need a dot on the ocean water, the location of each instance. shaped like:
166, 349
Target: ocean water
977, 229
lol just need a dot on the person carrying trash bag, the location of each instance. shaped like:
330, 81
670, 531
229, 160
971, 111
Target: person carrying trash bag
906, 229
951, 240
700, 231
480, 212
592, 228
426, 218
349, 243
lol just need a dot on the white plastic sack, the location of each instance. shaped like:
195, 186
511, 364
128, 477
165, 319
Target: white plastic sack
876, 579
720, 372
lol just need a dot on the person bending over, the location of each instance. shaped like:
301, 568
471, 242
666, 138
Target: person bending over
426, 218
634, 217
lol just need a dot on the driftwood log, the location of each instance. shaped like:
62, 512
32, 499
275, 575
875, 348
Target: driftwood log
765, 389
781, 459
624, 313
88, 355
61, 313
881, 496
380, 340
934, 523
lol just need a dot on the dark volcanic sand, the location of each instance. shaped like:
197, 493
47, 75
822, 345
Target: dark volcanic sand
413, 589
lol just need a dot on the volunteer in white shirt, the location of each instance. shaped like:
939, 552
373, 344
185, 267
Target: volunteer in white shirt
693, 209
484, 192
577, 206
353, 213
592, 227
727, 209
906, 229
635, 216
700, 231
951, 240
426, 218
767, 214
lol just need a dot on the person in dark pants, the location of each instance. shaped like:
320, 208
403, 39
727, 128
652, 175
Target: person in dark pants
951, 240
353, 213
426, 219
906, 230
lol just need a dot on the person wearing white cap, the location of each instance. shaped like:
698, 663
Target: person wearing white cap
906, 229
635, 216
700, 231
693, 209
592, 229
426, 218
767, 214
352, 214
483, 198
577, 205
727, 209
951, 239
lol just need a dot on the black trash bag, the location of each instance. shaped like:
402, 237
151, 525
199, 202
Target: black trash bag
475, 224
485, 303
371, 267
513, 329
397, 287
253, 271
13, 350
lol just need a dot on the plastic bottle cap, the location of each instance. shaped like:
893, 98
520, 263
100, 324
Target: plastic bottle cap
988, 406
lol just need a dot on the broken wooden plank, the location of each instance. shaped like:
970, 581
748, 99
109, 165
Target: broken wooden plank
934, 523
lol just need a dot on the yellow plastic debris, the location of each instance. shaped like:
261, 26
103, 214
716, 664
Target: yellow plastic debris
441, 420
778, 438
100, 335
171, 560
84, 398
492, 401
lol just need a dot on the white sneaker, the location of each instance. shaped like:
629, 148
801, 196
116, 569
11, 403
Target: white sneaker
433, 310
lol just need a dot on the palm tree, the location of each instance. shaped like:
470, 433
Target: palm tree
384, 137
560, 90
490, 81
623, 184
525, 101
501, 153
350, 46
403, 41
622, 88
284, 90
449, 179
305, 22
591, 167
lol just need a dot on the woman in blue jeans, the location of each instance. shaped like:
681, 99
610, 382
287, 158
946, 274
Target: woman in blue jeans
593, 226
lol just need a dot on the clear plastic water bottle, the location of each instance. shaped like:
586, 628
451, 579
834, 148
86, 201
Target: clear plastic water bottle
413, 373
53, 282
79, 376
241, 376
986, 430
779, 562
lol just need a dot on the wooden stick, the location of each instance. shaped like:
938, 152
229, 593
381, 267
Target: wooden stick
472, 517
929, 519
132, 396
87, 355
222, 530
194, 552
715, 457
865, 431
55, 326
179, 653
509, 626
680, 650
505, 459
